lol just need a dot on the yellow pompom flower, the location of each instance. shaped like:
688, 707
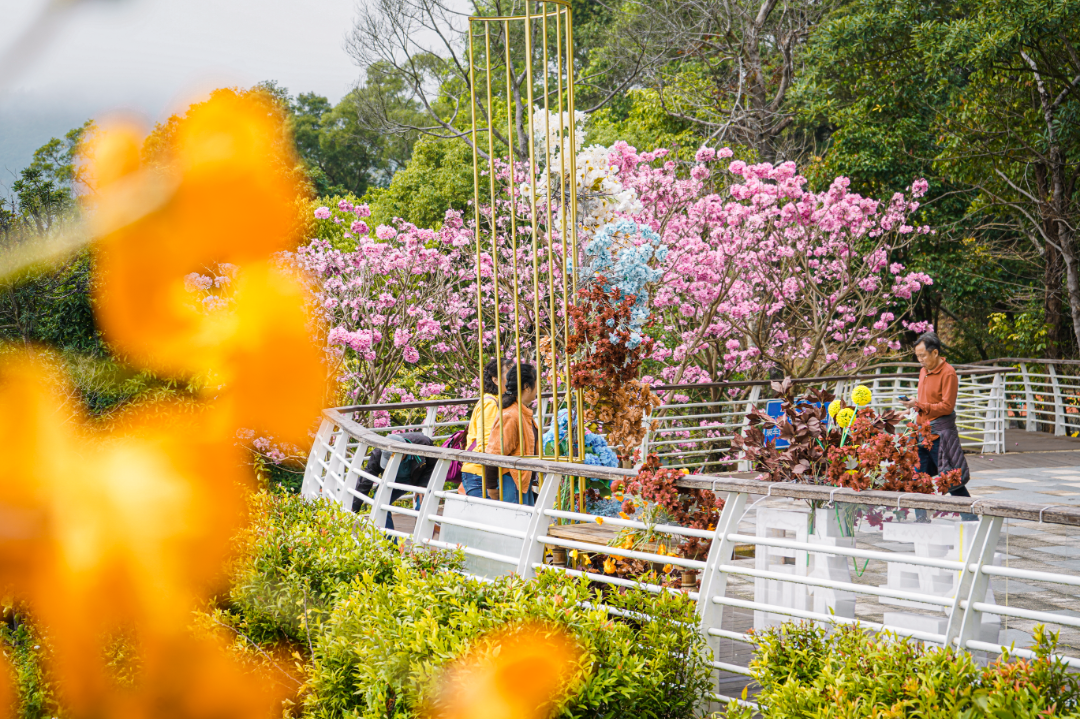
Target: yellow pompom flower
861, 395
834, 407
845, 416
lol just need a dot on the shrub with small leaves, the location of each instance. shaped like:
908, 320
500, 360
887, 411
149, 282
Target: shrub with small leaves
297, 555
807, 671
383, 649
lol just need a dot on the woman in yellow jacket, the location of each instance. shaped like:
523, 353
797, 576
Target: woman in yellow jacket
484, 416
518, 436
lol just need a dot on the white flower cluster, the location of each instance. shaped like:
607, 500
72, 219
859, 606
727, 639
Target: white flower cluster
600, 195
556, 127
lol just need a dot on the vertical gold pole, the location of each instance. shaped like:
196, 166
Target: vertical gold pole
494, 234
573, 229
482, 439
571, 454
552, 323
532, 217
513, 234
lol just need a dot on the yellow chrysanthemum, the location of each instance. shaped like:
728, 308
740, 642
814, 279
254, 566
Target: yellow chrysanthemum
834, 407
845, 416
861, 395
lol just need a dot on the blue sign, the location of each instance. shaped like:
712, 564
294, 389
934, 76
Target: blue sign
774, 408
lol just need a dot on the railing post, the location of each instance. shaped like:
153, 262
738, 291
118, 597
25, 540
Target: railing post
1031, 422
428, 427
1003, 412
382, 493
334, 479
425, 526
309, 488
1059, 404
876, 399
965, 621
751, 401
349, 481
714, 581
532, 549
992, 416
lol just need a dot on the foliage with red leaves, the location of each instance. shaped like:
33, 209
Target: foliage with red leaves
607, 370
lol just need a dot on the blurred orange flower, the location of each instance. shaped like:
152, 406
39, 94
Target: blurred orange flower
522, 672
227, 197
107, 532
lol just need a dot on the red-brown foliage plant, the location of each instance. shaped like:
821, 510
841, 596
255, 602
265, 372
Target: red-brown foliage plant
874, 456
607, 371
693, 508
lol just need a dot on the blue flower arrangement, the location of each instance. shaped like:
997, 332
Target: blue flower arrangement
597, 452
628, 271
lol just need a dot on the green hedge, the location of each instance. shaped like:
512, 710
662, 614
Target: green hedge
296, 556
25, 653
381, 652
383, 620
805, 671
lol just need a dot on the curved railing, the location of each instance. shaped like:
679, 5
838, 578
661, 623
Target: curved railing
696, 431
795, 573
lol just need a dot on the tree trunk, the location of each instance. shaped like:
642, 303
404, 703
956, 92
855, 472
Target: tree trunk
1052, 304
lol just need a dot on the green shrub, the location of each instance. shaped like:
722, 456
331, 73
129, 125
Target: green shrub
25, 652
381, 652
296, 556
805, 671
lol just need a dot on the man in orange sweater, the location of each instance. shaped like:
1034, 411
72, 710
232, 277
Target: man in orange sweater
936, 403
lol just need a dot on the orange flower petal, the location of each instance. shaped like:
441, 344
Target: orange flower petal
273, 373
112, 530
520, 673
234, 201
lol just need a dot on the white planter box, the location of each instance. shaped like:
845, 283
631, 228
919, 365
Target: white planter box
793, 525
509, 517
942, 539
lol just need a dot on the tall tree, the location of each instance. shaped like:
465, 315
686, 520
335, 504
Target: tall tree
726, 66
50, 306
423, 45
943, 90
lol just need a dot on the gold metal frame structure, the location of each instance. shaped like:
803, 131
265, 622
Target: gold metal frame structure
537, 52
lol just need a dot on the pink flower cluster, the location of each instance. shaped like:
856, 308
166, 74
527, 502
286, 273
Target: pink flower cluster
760, 273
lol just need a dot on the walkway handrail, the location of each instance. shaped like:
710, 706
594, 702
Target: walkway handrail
1025, 360
500, 538
961, 370
1058, 514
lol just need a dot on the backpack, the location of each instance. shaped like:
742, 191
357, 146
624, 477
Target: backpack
456, 441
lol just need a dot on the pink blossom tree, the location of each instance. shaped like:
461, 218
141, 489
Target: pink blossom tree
763, 273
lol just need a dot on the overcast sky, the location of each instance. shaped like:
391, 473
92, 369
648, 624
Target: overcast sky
156, 56
154, 53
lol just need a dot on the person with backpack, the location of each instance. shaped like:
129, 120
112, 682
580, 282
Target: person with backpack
412, 470
518, 435
485, 416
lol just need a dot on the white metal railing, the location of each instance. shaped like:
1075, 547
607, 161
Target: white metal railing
1043, 395
697, 434
340, 450
680, 440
